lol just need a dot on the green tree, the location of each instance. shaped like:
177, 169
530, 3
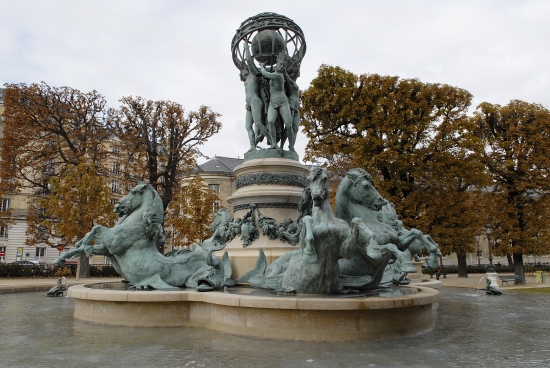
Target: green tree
78, 200
190, 213
414, 138
517, 157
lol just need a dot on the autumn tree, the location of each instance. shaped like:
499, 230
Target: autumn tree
190, 212
414, 138
517, 157
163, 138
48, 130
78, 200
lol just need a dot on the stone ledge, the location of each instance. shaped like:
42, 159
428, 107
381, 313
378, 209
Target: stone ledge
423, 296
289, 318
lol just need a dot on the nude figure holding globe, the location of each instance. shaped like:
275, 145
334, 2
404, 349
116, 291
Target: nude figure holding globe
278, 100
268, 50
254, 103
292, 73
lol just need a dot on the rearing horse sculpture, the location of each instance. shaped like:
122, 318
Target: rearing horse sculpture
324, 239
388, 216
131, 247
357, 197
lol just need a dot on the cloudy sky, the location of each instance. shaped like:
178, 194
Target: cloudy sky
180, 50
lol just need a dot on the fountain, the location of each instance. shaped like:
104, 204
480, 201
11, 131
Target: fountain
302, 271
460, 338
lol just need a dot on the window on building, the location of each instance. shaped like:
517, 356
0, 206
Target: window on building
40, 253
215, 187
115, 168
216, 204
114, 201
5, 204
3, 231
115, 186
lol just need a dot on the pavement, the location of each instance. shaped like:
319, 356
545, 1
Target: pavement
473, 280
16, 285
44, 284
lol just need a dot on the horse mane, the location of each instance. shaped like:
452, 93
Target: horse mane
343, 198
306, 204
358, 173
315, 172
154, 217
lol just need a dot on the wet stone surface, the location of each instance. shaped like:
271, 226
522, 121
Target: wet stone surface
472, 329
384, 293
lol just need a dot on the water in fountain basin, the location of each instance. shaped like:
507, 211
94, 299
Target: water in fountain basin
479, 283
509, 331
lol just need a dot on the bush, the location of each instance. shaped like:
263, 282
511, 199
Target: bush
64, 272
15, 270
103, 271
483, 269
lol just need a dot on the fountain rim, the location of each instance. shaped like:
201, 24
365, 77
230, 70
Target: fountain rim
423, 296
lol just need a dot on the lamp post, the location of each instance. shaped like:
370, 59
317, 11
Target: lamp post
488, 232
479, 238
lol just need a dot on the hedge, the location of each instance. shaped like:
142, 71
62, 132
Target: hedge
483, 269
16, 270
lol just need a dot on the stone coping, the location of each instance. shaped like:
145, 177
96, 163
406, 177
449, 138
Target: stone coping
423, 296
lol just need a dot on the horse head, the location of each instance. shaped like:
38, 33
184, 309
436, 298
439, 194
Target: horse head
318, 185
361, 190
222, 217
133, 200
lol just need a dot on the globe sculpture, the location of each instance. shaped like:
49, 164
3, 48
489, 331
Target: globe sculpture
268, 34
268, 50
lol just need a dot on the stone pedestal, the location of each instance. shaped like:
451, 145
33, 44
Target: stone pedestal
274, 186
493, 276
418, 275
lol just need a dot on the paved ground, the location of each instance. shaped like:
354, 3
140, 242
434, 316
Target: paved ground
22, 284
471, 282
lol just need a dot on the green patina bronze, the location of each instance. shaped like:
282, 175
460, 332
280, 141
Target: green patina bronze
324, 239
131, 247
347, 252
278, 45
271, 178
395, 273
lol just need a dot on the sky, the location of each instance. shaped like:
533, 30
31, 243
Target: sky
181, 50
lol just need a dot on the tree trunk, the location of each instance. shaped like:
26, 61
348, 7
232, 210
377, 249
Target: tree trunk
462, 267
510, 260
518, 265
83, 267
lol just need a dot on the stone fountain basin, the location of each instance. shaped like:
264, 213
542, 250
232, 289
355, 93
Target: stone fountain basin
296, 317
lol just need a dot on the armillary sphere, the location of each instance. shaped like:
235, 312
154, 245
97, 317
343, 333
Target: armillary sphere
268, 34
